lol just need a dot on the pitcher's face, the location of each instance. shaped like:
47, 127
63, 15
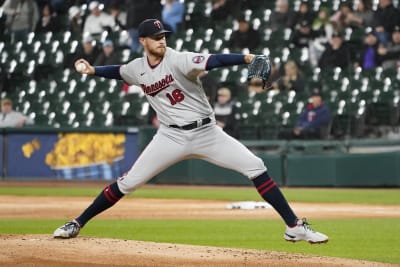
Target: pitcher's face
155, 45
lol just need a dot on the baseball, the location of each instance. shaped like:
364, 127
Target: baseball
81, 67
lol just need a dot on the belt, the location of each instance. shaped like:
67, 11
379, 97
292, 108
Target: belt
192, 125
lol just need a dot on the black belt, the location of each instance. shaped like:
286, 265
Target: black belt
192, 125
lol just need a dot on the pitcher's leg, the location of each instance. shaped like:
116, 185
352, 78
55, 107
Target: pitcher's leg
162, 152
223, 150
230, 153
158, 155
271, 193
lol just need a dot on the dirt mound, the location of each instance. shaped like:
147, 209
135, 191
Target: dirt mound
43, 250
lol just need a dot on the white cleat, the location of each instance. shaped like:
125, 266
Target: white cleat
302, 231
68, 230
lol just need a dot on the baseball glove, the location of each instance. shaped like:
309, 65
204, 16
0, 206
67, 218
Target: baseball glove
259, 71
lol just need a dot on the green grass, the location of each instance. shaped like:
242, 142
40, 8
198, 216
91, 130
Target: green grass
359, 196
366, 239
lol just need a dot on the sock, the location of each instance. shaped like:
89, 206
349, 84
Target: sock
106, 199
270, 192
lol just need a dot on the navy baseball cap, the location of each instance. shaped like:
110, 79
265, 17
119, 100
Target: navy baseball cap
151, 27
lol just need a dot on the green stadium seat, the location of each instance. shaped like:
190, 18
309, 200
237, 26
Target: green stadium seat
275, 39
41, 119
384, 109
269, 127
348, 119
248, 131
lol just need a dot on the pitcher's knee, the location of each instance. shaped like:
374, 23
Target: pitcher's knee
258, 167
127, 185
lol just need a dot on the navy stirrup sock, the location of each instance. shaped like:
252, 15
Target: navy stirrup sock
107, 198
273, 195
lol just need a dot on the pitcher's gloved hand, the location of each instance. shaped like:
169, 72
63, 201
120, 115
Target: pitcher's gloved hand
259, 71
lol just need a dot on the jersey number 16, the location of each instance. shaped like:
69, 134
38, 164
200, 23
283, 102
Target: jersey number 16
176, 96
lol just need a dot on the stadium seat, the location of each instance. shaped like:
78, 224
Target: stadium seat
278, 38
288, 120
269, 126
348, 119
41, 119
384, 109
40, 57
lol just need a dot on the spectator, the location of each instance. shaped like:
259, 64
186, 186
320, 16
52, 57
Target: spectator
108, 56
386, 17
322, 29
172, 14
97, 21
224, 109
292, 79
10, 117
59, 6
75, 21
282, 16
336, 54
343, 17
245, 36
304, 14
275, 75
221, 10
321, 25
302, 34
87, 50
368, 58
48, 22
313, 119
390, 55
22, 17
119, 16
363, 16
312, 122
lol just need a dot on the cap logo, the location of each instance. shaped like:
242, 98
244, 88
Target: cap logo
151, 27
157, 24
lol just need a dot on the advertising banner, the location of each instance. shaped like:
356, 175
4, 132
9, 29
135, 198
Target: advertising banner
97, 156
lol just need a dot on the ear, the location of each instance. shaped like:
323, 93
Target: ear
142, 40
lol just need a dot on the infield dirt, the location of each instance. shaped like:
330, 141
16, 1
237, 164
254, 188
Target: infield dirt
43, 250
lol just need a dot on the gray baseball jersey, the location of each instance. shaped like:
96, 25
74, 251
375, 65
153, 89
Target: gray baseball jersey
173, 89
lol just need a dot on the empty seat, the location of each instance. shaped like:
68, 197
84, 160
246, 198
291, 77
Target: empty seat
384, 109
348, 119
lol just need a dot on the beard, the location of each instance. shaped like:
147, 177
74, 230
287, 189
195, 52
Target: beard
157, 52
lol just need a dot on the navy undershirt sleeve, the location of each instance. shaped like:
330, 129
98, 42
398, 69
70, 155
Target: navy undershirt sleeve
109, 71
224, 60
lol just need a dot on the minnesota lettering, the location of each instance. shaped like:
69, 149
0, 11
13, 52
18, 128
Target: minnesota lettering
156, 87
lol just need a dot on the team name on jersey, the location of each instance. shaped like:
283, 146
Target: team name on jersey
156, 87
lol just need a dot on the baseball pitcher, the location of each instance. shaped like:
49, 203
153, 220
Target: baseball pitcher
187, 125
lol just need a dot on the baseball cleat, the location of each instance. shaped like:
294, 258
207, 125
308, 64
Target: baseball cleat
68, 230
302, 231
